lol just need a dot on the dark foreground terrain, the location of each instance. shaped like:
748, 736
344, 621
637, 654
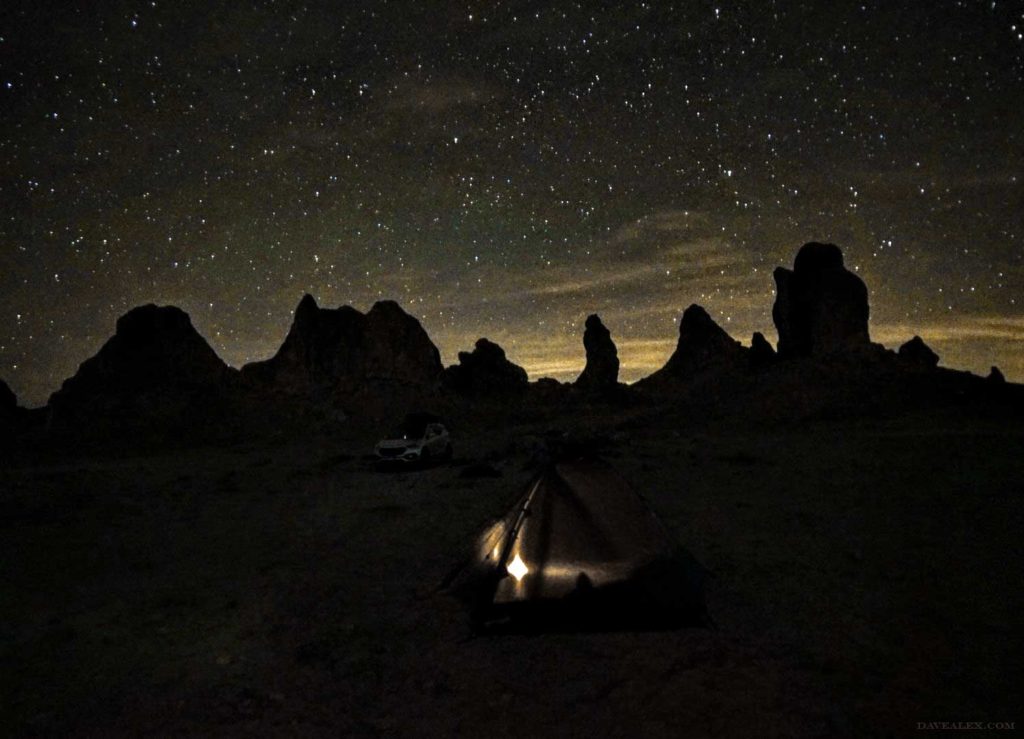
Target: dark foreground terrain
864, 576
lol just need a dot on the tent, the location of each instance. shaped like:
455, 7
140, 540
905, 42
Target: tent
580, 550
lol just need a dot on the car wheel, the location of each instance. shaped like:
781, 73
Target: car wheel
447, 455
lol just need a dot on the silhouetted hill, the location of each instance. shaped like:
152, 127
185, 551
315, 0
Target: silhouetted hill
156, 366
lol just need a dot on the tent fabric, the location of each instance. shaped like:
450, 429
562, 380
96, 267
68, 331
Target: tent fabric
580, 548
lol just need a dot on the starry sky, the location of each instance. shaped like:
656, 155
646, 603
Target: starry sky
505, 169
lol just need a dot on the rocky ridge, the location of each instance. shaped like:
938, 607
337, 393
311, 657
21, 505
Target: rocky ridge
158, 368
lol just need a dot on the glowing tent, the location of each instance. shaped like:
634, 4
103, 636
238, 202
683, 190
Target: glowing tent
581, 550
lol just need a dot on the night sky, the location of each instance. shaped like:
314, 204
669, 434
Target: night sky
504, 169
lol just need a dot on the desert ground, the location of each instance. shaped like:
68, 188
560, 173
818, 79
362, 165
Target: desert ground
862, 576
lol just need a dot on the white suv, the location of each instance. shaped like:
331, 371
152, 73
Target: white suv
420, 438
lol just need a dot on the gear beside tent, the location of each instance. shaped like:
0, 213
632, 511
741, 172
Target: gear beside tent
580, 550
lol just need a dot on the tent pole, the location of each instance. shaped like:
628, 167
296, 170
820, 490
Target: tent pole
514, 533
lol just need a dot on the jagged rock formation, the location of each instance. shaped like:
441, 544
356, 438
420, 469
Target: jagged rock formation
155, 365
485, 371
820, 306
601, 372
761, 352
702, 344
397, 348
918, 355
703, 347
340, 352
995, 376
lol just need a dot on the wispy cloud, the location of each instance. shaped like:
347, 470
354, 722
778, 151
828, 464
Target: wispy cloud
956, 328
676, 221
434, 97
609, 277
